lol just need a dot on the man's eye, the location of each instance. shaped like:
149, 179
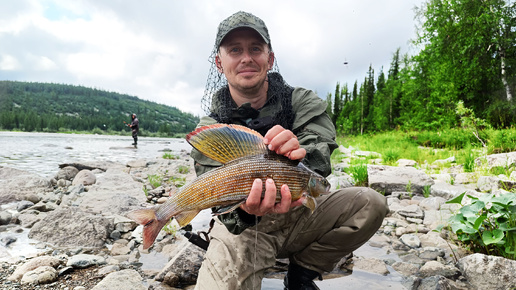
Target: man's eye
235, 50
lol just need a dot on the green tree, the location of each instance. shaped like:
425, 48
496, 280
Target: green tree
469, 54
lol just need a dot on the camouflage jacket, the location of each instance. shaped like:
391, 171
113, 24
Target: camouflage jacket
314, 130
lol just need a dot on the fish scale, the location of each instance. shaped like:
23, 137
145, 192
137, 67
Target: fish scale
245, 158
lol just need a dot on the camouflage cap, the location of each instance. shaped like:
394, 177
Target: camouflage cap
238, 20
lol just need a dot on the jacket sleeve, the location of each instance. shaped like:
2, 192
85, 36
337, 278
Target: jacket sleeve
314, 130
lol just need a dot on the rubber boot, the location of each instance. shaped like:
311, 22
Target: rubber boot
300, 278
135, 141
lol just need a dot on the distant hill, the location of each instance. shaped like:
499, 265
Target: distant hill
50, 107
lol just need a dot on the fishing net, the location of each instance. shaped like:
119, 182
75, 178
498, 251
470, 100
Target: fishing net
217, 102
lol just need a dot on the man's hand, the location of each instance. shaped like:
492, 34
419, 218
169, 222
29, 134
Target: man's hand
284, 142
257, 206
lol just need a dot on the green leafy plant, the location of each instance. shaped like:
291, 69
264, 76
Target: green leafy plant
170, 156
408, 187
359, 173
487, 225
155, 180
469, 161
391, 156
426, 191
183, 169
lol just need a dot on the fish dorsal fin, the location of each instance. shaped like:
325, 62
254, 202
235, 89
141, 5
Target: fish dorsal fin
226, 142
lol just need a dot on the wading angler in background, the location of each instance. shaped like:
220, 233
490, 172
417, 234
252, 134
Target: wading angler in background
135, 126
244, 87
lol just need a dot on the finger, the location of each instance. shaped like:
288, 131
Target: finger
253, 201
286, 199
287, 147
282, 139
269, 198
297, 154
272, 133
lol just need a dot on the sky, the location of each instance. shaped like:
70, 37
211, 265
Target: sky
158, 50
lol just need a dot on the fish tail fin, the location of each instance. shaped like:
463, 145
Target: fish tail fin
151, 224
310, 203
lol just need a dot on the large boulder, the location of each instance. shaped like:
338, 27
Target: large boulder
488, 272
389, 179
17, 184
122, 280
72, 227
115, 192
183, 267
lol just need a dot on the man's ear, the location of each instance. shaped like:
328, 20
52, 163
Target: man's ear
271, 59
218, 64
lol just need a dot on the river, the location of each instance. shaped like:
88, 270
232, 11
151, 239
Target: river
42, 153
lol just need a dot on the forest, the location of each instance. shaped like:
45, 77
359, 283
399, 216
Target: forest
49, 107
465, 70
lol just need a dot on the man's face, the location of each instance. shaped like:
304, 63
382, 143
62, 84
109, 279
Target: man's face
244, 58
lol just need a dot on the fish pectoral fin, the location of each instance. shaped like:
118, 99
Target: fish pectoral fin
186, 217
230, 208
310, 203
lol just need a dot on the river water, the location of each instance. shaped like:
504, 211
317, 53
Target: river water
42, 153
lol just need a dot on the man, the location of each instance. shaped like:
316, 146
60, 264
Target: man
244, 87
135, 128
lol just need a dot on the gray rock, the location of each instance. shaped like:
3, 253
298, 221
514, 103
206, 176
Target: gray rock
504, 160
137, 163
5, 217
487, 183
7, 240
406, 163
29, 217
412, 211
67, 173
371, 265
410, 240
122, 280
16, 184
115, 192
488, 272
434, 268
340, 180
390, 179
448, 191
183, 267
406, 269
84, 177
72, 227
24, 204
33, 264
40, 275
85, 261
431, 253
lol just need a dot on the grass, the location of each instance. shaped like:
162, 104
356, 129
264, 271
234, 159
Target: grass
426, 147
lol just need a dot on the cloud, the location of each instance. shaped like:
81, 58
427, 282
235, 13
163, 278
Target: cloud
158, 50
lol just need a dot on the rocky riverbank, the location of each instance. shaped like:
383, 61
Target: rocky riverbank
82, 239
